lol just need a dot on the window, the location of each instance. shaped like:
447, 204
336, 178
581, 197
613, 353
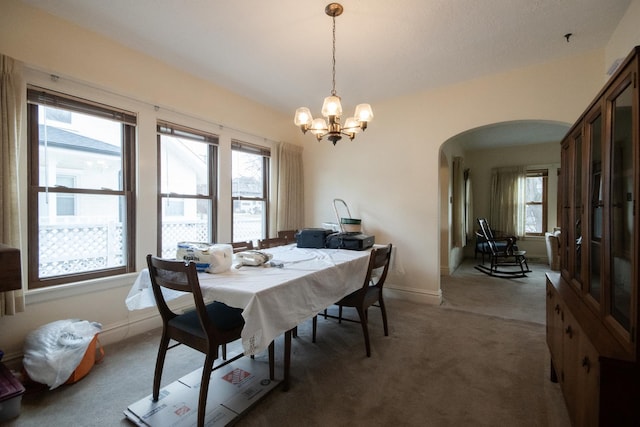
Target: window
65, 202
81, 181
187, 187
250, 172
536, 203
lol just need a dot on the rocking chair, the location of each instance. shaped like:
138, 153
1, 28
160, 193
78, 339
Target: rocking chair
506, 260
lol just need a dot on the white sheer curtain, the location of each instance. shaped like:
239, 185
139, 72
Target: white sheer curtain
507, 210
11, 302
288, 191
470, 223
458, 232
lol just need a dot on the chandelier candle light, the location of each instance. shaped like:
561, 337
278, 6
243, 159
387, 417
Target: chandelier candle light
332, 109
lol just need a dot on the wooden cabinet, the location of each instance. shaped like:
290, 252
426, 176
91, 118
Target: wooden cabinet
592, 304
574, 360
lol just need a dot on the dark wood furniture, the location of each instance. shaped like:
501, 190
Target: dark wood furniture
205, 328
272, 242
10, 269
482, 245
290, 235
368, 295
593, 302
241, 246
506, 260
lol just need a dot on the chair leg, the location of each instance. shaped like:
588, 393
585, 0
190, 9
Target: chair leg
272, 358
384, 316
314, 322
157, 376
204, 388
287, 360
224, 351
365, 329
339, 314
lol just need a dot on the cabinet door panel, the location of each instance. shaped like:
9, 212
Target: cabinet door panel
588, 384
570, 365
594, 130
621, 188
554, 327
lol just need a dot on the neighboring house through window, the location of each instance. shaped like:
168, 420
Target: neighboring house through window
65, 202
249, 190
187, 183
81, 189
536, 202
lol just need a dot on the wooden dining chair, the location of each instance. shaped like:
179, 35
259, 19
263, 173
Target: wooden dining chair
289, 235
272, 242
370, 294
242, 246
204, 329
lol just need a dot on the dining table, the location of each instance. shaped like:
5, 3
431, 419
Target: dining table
293, 286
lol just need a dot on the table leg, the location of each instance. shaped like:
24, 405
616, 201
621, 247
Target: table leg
287, 359
272, 358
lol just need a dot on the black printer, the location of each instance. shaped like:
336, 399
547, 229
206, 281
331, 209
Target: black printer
313, 237
351, 241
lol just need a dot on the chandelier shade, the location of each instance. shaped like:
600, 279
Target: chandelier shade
332, 106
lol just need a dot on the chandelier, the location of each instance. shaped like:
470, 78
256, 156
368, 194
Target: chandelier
332, 109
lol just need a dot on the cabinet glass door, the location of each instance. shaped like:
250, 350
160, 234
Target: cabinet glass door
577, 210
595, 235
565, 169
621, 207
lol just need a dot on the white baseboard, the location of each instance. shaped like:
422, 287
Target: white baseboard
415, 295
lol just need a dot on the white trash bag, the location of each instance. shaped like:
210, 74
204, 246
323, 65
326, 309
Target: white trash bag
53, 351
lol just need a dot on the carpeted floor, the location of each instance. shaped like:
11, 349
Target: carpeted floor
480, 359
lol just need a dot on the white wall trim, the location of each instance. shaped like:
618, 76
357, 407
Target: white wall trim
415, 295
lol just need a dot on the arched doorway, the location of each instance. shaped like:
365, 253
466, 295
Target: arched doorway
505, 142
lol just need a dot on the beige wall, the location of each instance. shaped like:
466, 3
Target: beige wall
625, 37
390, 175
94, 67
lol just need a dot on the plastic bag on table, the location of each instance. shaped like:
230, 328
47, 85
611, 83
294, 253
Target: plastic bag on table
53, 351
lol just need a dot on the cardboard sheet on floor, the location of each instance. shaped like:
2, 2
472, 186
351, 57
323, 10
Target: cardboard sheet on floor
233, 389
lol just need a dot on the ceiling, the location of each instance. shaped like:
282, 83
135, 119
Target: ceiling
279, 53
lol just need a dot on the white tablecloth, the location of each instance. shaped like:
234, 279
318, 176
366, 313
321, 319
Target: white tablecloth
274, 299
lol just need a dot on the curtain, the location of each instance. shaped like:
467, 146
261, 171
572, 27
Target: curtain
458, 220
289, 188
11, 302
507, 207
468, 201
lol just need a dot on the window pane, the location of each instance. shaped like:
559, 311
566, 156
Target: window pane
190, 225
85, 147
91, 239
247, 175
533, 223
534, 189
249, 218
248, 190
185, 166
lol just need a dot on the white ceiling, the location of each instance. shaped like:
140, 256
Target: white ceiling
279, 53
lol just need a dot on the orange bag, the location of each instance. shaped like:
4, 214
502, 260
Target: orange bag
87, 361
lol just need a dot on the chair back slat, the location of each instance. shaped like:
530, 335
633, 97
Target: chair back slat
178, 276
487, 234
242, 246
272, 242
380, 258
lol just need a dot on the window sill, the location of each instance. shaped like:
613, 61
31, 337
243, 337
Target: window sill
37, 296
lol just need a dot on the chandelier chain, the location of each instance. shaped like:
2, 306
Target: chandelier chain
333, 90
